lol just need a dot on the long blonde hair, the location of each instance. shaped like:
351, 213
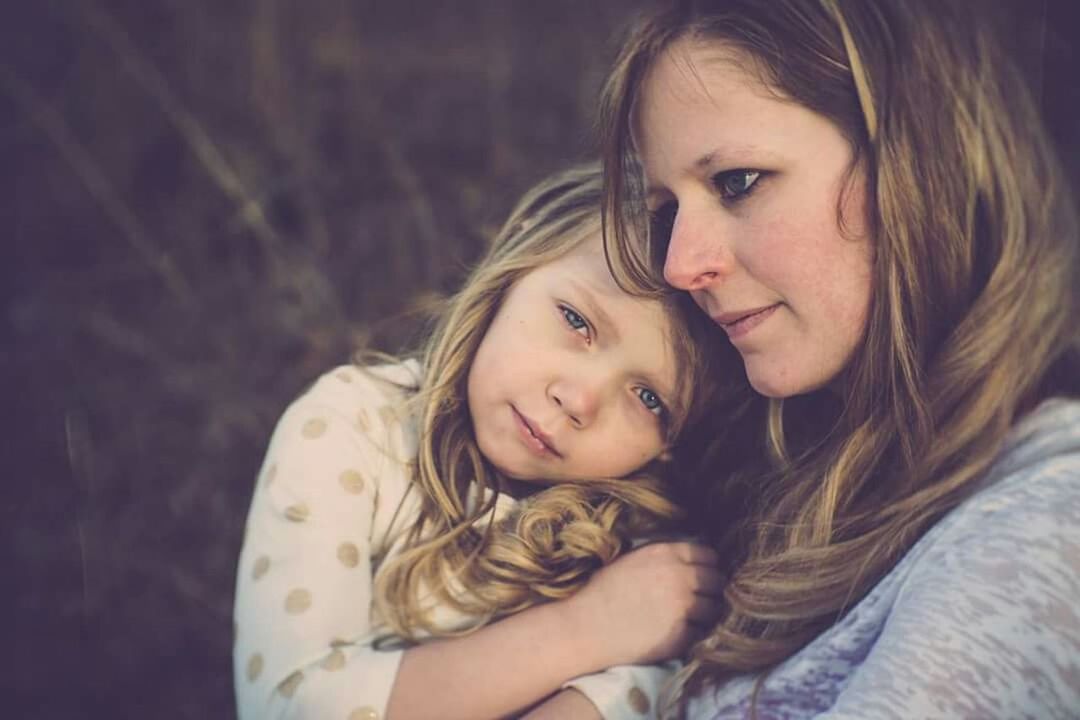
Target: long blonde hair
973, 318
455, 555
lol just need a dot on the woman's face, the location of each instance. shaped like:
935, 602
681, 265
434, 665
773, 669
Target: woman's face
748, 187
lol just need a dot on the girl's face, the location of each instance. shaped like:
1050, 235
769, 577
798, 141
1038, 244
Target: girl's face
748, 185
572, 380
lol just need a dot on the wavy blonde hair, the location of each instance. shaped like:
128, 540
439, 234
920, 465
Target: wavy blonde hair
455, 555
973, 318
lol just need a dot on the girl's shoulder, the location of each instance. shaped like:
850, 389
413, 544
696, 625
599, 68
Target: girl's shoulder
372, 403
348, 386
367, 394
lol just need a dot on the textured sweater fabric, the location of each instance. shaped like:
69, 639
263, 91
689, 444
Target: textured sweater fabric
980, 619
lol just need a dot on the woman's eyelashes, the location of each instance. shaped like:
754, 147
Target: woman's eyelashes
732, 185
662, 222
736, 185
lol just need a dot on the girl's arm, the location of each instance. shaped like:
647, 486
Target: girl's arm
632, 611
332, 478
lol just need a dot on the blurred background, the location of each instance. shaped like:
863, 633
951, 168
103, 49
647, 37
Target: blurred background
207, 205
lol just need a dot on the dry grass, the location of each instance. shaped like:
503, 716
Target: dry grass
213, 203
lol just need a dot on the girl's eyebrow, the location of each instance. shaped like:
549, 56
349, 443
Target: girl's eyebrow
596, 310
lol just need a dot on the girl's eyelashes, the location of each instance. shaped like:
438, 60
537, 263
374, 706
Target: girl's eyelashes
651, 401
576, 322
735, 185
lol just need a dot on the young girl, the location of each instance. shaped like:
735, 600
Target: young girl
862, 195
490, 482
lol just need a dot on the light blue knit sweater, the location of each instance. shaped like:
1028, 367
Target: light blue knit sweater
981, 618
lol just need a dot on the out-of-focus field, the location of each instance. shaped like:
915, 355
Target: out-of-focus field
206, 205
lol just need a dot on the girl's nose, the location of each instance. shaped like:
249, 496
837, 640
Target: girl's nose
578, 398
696, 256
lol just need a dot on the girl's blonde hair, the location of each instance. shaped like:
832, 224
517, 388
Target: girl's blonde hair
973, 317
455, 555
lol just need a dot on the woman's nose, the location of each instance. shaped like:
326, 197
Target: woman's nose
696, 257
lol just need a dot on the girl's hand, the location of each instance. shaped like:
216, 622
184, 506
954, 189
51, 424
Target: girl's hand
650, 604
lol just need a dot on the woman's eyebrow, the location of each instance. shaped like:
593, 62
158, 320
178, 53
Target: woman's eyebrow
733, 156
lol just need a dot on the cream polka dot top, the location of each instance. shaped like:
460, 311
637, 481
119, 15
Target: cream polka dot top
331, 502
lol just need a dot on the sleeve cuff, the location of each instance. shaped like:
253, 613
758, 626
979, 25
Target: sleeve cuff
625, 692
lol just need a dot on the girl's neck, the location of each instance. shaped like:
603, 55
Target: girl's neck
519, 489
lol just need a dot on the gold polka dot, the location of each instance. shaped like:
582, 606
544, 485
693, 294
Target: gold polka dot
297, 601
298, 512
288, 686
334, 661
348, 554
363, 421
255, 667
339, 643
262, 564
352, 482
344, 376
314, 428
271, 473
639, 701
388, 416
364, 713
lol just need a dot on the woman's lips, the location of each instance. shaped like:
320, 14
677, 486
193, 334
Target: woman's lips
737, 324
533, 437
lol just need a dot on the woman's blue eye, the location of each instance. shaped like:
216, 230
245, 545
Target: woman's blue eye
651, 401
736, 184
573, 319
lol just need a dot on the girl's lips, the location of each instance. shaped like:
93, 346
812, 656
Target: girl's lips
738, 324
533, 438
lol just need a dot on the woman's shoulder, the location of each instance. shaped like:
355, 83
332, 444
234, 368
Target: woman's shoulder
1030, 493
1039, 466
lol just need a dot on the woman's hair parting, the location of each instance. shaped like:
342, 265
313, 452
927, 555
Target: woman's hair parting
973, 318
549, 545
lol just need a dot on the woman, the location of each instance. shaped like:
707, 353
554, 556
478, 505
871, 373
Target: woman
861, 194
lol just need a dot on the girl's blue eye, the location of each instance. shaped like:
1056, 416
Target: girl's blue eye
574, 320
651, 401
736, 184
